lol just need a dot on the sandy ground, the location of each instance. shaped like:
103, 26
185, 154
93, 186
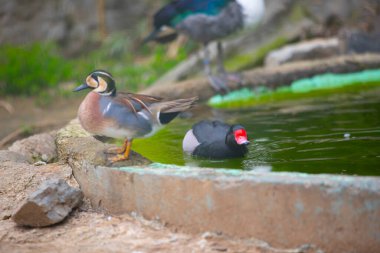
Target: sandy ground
87, 231
24, 113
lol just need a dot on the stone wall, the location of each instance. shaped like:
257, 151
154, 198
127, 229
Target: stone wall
72, 24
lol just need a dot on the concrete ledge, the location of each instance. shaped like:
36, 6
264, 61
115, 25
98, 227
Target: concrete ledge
334, 213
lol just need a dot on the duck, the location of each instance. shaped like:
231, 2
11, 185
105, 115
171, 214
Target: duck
205, 21
105, 112
216, 140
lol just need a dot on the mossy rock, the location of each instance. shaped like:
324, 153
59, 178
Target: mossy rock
79, 148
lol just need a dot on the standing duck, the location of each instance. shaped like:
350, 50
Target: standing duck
216, 140
205, 21
106, 112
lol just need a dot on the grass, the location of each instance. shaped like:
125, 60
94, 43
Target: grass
30, 69
39, 68
134, 67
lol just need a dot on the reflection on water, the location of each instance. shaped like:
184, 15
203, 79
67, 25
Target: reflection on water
335, 134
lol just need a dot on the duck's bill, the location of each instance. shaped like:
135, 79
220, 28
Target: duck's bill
242, 141
81, 87
241, 137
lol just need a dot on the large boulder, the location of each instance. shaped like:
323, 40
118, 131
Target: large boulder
75, 145
10, 156
305, 50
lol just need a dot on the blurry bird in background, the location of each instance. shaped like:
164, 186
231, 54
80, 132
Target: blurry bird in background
205, 21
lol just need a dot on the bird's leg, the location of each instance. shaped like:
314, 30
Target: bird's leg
216, 83
117, 150
128, 149
227, 78
219, 48
206, 60
125, 154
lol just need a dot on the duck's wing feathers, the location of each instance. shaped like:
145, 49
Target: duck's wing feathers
168, 110
130, 115
139, 114
136, 102
213, 150
210, 131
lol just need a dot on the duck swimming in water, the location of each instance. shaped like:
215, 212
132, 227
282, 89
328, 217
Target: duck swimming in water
216, 140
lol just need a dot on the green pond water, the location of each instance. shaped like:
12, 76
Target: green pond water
336, 133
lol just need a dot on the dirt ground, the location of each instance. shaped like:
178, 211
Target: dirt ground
20, 113
87, 231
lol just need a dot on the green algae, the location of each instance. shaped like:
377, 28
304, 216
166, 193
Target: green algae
333, 81
297, 13
162, 145
307, 87
337, 133
317, 128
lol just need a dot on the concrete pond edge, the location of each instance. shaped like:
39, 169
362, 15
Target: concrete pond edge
336, 213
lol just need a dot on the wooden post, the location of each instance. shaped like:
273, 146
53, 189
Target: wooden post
102, 19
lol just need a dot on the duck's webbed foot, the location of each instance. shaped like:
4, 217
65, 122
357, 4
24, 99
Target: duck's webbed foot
124, 154
117, 158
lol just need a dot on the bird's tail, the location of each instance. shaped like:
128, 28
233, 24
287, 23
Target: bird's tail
168, 110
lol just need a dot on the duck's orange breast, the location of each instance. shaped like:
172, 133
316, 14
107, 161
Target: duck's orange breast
89, 114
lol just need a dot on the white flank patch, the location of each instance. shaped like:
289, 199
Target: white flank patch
158, 117
190, 142
253, 11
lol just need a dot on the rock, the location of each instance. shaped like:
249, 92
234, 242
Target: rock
272, 77
24, 22
49, 205
10, 156
39, 147
18, 179
80, 150
306, 50
358, 42
75, 145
